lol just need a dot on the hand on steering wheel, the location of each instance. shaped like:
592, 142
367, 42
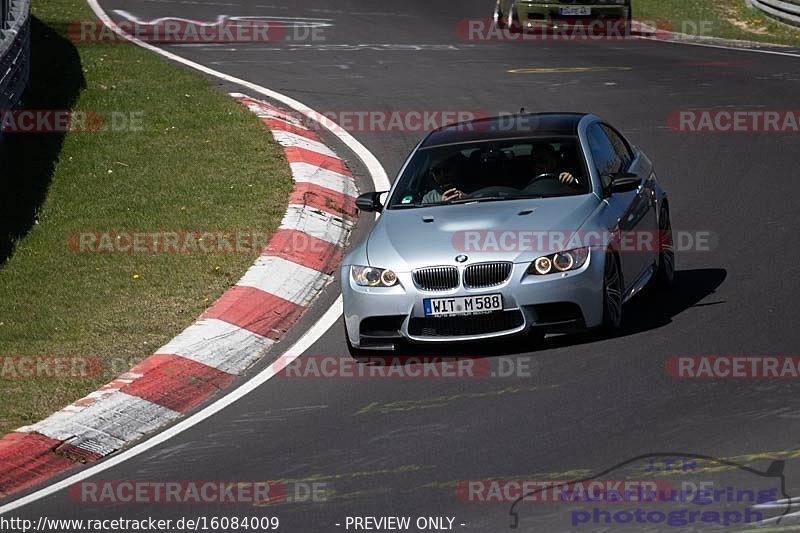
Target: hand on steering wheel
569, 179
564, 177
452, 194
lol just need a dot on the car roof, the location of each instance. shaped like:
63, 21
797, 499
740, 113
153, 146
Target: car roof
506, 127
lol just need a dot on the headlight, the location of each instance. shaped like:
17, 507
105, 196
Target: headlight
560, 262
373, 277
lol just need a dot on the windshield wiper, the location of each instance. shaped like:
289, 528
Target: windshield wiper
495, 198
407, 206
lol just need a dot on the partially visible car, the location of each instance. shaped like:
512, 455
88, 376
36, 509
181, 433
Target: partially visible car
523, 14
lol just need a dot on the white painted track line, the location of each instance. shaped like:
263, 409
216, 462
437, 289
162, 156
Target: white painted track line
725, 47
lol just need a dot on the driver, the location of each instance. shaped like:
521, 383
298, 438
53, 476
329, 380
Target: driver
546, 161
445, 178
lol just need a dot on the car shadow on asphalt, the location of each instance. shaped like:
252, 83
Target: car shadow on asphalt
649, 310
28, 160
654, 308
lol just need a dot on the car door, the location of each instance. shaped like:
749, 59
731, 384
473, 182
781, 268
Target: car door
626, 212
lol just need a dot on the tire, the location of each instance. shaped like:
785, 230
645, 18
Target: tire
665, 272
612, 293
627, 26
497, 17
512, 21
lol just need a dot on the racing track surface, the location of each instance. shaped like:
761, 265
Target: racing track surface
398, 446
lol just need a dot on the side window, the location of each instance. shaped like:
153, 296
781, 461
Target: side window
605, 157
620, 147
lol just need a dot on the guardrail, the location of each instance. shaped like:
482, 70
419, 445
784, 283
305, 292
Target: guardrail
787, 11
14, 51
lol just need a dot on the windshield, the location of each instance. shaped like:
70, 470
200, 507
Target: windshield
492, 171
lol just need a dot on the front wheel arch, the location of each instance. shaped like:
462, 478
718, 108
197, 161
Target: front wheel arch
664, 275
610, 321
614, 251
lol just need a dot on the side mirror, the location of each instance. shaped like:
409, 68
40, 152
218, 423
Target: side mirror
370, 202
625, 182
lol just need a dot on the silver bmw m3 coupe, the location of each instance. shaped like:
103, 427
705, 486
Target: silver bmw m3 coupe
531, 223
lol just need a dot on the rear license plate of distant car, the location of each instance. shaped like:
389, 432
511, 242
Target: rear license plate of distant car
575, 11
463, 305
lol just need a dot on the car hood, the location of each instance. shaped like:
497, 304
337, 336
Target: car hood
406, 239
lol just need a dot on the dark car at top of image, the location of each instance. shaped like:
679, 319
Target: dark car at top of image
504, 226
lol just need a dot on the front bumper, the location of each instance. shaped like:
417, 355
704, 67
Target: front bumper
556, 303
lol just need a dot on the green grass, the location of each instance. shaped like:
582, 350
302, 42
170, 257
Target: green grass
201, 161
729, 19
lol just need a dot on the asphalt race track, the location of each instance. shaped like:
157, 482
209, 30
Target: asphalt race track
387, 447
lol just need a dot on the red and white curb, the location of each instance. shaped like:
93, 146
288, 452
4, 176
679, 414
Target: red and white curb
232, 334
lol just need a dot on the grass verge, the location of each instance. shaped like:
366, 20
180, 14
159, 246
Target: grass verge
193, 159
728, 19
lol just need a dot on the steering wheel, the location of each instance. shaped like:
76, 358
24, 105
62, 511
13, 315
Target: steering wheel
546, 175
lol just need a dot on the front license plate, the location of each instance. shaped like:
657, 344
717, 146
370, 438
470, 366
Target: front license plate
575, 11
466, 305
